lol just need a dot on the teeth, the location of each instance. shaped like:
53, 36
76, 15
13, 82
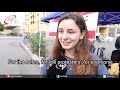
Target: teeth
66, 42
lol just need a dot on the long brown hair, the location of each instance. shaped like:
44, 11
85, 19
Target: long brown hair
82, 48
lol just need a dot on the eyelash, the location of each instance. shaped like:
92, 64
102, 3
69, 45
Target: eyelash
62, 32
71, 32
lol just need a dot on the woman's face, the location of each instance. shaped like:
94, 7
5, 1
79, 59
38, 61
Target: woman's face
69, 34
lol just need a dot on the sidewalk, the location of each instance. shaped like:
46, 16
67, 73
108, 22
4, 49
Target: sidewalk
26, 46
109, 47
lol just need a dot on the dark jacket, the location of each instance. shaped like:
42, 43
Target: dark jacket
117, 43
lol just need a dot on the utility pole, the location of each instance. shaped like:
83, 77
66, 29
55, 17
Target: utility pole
39, 41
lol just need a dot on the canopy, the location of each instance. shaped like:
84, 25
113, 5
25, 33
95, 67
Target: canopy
53, 15
10, 27
104, 18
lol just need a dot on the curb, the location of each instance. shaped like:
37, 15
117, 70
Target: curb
33, 56
26, 49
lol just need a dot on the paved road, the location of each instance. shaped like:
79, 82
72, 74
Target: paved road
10, 49
109, 46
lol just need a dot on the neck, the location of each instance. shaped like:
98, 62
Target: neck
69, 53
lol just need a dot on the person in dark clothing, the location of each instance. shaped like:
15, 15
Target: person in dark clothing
117, 43
92, 47
115, 56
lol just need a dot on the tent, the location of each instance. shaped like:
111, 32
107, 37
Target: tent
53, 15
104, 18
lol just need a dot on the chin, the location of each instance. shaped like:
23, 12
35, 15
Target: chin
66, 47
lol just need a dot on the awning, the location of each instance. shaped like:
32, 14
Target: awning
104, 18
10, 27
53, 15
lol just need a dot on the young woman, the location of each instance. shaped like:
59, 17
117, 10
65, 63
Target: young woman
72, 45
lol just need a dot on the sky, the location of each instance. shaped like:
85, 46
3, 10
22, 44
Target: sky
20, 16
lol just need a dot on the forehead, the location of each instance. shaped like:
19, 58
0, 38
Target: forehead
68, 23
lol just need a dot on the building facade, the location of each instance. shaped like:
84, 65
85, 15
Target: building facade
33, 22
109, 30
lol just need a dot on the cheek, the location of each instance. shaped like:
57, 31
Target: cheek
75, 38
76, 41
59, 37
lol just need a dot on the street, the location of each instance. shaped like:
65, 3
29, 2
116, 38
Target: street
109, 47
10, 49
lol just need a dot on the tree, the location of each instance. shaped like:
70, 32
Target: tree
35, 39
1, 27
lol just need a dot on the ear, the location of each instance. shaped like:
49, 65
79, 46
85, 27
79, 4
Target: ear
82, 34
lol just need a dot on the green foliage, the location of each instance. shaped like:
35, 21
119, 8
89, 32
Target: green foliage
14, 33
34, 39
43, 49
1, 27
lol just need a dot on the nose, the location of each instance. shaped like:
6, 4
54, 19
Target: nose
64, 36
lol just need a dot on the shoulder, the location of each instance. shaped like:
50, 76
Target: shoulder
95, 57
102, 69
118, 38
48, 57
44, 65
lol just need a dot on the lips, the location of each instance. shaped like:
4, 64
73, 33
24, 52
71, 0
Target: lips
66, 43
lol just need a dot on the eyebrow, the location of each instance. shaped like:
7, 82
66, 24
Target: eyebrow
67, 29
71, 29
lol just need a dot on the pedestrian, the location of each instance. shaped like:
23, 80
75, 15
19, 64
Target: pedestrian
72, 45
117, 43
101, 38
92, 47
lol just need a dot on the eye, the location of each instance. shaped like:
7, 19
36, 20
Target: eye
60, 31
71, 32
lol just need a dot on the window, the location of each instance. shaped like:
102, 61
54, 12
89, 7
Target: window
112, 32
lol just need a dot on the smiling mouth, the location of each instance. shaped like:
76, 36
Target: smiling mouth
66, 43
